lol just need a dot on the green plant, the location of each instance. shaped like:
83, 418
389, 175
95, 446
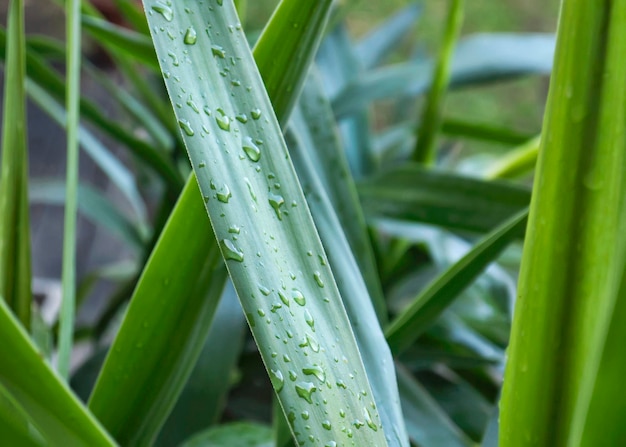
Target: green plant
374, 275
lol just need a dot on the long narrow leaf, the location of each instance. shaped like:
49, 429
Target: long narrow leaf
432, 301
266, 232
572, 262
15, 269
52, 407
188, 213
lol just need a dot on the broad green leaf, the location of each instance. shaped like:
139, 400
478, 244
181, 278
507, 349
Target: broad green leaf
188, 213
573, 255
131, 43
50, 405
324, 174
172, 306
410, 192
378, 44
479, 58
438, 295
427, 423
430, 120
15, 265
15, 427
264, 228
202, 401
237, 434
315, 130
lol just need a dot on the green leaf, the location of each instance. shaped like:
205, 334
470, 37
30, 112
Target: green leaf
573, 255
516, 162
190, 215
188, 285
122, 40
274, 261
238, 434
15, 264
15, 427
202, 401
427, 423
324, 174
438, 295
430, 120
410, 192
30, 381
379, 43
478, 59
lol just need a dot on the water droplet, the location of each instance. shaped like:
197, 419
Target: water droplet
275, 307
286, 358
164, 10
277, 380
251, 149
318, 279
234, 229
193, 105
261, 312
174, 58
186, 127
305, 415
255, 113
276, 201
220, 2
283, 298
223, 122
264, 290
330, 444
224, 194
190, 36
293, 376
305, 390
250, 189
242, 118
326, 424
309, 319
358, 424
315, 370
315, 346
342, 413
298, 297
341, 384
218, 51
231, 251
368, 419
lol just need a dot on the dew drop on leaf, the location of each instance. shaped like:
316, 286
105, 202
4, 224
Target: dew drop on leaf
231, 251
277, 380
252, 151
164, 10
190, 36
186, 127
298, 297
305, 390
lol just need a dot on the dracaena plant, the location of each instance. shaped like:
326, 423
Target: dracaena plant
314, 276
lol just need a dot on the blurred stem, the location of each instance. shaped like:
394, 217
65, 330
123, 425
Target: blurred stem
68, 305
15, 271
425, 149
517, 162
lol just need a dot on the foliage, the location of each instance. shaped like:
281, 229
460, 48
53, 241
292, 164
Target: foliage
375, 263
